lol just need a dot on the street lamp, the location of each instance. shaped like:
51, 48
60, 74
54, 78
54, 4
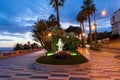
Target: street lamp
83, 34
49, 34
103, 13
67, 37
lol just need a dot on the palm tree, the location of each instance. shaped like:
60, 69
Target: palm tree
89, 8
76, 30
52, 21
55, 4
52, 17
81, 17
40, 33
41, 30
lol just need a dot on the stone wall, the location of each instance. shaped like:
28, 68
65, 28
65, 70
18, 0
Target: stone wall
16, 53
112, 44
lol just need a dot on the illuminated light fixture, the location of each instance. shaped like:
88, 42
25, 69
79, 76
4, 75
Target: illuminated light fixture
103, 12
93, 27
83, 34
67, 36
50, 34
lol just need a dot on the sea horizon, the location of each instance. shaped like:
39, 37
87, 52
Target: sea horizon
5, 49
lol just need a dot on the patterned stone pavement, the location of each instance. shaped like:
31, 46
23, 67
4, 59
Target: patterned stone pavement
103, 67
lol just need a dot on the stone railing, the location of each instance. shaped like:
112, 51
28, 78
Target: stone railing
16, 53
112, 44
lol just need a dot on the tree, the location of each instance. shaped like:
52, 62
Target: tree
89, 9
40, 33
52, 17
18, 47
81, 17
55, 4
76, 30
52, 20
34, 45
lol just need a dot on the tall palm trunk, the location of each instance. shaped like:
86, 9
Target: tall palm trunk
57, 13
90, 30
83, 36
83, 26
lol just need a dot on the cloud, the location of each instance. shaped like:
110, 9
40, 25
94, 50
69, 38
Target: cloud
9, 39
18, 35
6, 40
20, 18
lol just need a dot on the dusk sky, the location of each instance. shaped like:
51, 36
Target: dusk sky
18, 16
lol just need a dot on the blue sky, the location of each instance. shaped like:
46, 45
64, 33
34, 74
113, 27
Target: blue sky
17, 17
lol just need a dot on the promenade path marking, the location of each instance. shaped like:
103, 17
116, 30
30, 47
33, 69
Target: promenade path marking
103, 67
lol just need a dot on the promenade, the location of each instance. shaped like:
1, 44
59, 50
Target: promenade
103, 67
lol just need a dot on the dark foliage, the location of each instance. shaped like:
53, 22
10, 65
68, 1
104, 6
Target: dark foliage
26, 46
115, 36
71, 44
76, 30
62, 55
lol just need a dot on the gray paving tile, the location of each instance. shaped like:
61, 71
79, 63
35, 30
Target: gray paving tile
103, 67
39, 77
78, 78
22, 74
59, 75
5, 76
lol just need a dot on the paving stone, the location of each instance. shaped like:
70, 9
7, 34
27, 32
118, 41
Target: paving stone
59, 75
39, 77
22, 74
17, 79
103, 67
78, 78
5, 76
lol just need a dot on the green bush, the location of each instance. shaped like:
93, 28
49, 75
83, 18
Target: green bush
54, 42
71, 44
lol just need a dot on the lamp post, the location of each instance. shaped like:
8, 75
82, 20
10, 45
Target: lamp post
103, 13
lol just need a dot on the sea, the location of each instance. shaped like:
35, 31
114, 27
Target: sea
6, 49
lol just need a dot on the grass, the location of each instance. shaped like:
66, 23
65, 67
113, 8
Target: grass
74, 59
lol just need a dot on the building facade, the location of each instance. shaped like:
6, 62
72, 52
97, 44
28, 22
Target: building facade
115, 22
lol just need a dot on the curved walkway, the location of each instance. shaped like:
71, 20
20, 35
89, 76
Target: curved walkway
103, 67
